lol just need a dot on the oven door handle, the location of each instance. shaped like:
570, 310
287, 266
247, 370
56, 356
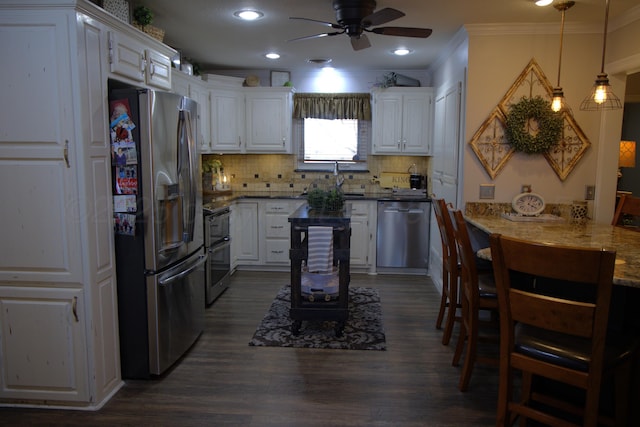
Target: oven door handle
166, 280
219, 244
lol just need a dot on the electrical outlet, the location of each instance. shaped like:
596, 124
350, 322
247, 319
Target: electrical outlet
487, 191
590, 192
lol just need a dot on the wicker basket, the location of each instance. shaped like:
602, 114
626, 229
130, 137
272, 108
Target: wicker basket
155, 32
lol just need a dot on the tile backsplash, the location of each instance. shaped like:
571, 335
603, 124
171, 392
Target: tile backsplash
277, 172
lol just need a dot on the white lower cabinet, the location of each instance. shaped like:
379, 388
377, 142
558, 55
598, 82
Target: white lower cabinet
362, 234
53, 366
262, 233
244, 237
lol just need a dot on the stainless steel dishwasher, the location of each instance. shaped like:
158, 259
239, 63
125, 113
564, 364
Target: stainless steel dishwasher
403, 234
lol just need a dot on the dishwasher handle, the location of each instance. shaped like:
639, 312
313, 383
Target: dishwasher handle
404, 210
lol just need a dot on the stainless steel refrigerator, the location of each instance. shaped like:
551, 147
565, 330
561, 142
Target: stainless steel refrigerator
158, 227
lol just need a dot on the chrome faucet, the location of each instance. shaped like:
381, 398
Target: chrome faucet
336, 173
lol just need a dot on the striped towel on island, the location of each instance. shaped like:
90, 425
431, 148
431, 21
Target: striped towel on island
320, 249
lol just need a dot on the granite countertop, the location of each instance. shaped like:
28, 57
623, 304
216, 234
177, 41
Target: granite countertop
625, 242
213, 201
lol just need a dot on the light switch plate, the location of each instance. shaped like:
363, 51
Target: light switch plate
487, 191
590, 192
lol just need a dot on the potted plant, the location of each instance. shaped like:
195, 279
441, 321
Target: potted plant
331, 200
143, 18
142, 15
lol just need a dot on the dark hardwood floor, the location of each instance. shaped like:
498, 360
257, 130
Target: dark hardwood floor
223, 381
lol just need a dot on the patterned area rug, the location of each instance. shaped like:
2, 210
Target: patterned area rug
363, 330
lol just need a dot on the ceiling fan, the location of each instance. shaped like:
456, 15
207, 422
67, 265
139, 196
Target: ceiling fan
355, 17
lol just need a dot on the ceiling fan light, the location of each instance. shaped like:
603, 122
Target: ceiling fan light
543, 2
248, 14
272, 55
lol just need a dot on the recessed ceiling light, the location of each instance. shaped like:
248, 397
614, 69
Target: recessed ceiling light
543, 2
401, 51
248, 15
272, 55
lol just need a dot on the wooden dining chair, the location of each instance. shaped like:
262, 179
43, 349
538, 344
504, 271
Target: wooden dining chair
627, 206
449, 304
561, 338
477, 294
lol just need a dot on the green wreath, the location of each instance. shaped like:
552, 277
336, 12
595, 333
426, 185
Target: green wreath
549, 125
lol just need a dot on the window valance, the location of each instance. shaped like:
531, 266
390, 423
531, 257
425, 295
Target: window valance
331, 106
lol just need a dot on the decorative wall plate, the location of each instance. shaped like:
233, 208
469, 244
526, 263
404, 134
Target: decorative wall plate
490, 145
566, 154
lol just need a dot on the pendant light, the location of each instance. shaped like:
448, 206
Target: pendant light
601, 96
558, 103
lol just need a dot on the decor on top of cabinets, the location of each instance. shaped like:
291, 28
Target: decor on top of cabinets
280, 78
121, 9
491, 144
142, 20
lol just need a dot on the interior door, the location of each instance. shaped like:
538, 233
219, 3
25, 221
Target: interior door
446, 148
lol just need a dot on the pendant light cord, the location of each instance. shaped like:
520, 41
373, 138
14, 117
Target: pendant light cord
604, 40
560, 56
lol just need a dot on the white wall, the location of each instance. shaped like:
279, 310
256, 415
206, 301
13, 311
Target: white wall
495, 62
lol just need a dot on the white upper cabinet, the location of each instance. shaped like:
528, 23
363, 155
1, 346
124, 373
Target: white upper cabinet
200, 93
268, 119
138, 63
227, 120
402, 121
194, 88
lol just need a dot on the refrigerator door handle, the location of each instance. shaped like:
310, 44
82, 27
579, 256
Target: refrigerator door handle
167, 280
185, 140
191, 144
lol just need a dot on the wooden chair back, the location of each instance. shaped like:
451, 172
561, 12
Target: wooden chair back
627, 205
586, 320
449, 298
448, 239
472, 303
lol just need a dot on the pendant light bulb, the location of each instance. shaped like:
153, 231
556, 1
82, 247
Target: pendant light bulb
557, 103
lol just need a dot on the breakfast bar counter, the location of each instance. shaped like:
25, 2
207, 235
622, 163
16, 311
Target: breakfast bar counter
626, 243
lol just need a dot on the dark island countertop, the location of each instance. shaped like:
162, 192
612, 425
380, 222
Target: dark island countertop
309, 216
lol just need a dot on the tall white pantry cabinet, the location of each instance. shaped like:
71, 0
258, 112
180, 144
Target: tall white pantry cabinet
58, 308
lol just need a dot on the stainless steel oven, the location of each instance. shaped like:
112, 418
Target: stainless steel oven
218, 247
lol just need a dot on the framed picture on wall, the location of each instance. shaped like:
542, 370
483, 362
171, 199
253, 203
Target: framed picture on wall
279, 78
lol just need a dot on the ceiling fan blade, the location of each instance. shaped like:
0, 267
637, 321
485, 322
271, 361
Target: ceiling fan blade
317, 36
402, 31
360, 42
326, 24
382, 16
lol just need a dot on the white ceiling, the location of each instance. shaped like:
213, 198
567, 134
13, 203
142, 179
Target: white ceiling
207, 31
